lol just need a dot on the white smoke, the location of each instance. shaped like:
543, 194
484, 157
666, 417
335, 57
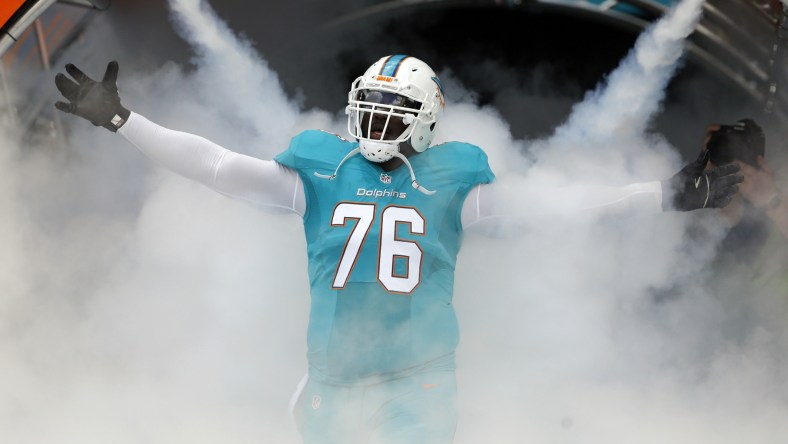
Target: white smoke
590, 330
139, 307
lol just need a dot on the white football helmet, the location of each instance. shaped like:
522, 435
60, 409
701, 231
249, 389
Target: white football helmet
396, 86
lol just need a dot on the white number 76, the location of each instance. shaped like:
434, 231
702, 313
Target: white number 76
391, 248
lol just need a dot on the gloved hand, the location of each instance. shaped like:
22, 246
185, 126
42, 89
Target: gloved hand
97, 102
695, 187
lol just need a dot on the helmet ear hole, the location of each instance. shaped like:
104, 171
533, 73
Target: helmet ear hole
432, 127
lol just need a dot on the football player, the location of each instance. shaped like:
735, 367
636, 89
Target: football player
383, 215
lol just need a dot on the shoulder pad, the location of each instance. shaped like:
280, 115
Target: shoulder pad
315, 149
462, 161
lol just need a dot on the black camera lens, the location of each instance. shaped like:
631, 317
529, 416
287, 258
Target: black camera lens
730, 143
722, 146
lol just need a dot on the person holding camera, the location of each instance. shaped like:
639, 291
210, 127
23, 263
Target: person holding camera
757, 243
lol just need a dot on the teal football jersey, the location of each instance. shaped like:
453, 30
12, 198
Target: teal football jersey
381, 255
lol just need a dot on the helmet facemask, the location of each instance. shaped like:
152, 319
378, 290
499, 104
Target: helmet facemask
381, 121
397, 100
378, 107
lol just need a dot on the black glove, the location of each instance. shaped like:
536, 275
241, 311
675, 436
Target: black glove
695, 187
97, 102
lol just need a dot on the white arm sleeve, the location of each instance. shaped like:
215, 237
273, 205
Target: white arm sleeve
499, 200
262, 182
476, 208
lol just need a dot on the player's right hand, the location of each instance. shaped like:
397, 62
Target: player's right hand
97, 102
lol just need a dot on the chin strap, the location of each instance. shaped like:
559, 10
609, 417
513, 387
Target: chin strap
348, 156
413, 175
398, 155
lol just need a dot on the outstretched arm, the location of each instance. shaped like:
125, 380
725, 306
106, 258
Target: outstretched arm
262, 182
507, 201
692, 188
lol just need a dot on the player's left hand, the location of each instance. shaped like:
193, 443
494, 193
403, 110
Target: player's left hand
695, 187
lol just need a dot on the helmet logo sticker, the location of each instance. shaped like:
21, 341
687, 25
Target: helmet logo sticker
385, 178
385, 79
439, 92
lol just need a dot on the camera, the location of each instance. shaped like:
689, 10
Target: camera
744, 141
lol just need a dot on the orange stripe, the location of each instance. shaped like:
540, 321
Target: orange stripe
52, 24
384, 65
8, 8
57, 38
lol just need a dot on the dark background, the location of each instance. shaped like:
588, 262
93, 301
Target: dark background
529, 62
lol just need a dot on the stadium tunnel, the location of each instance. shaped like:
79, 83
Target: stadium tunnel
530, 59
522, 56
